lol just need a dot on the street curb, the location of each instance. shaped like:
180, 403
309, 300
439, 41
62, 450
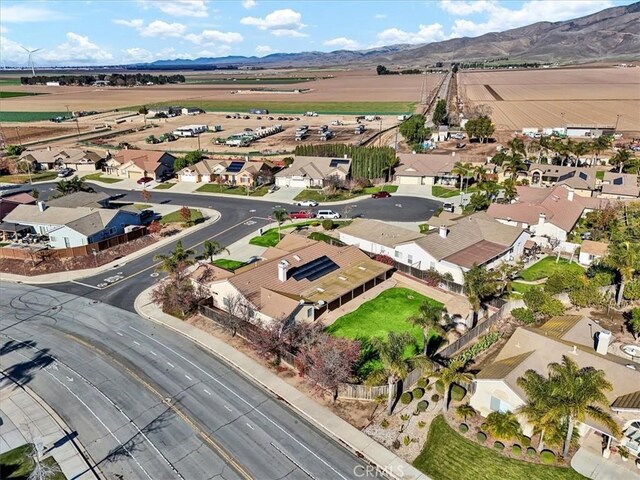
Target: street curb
65, 428
392, 466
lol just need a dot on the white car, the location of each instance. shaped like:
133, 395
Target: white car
327, 214
307, 203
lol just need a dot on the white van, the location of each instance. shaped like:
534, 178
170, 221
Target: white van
327, 214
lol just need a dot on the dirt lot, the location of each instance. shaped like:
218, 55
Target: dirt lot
539, 98
14, 135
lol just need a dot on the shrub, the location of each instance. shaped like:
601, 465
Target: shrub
406, 398
384, 423
457, 392
531, 452
327, 224
547, 457
516, 449
418, 392
315, 224
422, 424
525, 441
423, 382
498, 445
429, 387
523, 315
481, 345
439, 387
396, 444
423, 405
435, 397
481, 437
464, 428
406, 440
542, 303
404, 417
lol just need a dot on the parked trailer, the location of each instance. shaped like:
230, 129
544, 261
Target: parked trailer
259, 111
190, 130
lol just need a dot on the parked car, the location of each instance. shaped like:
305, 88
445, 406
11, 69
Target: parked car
327, 214
274, 188
301, 214
144, 180
448, 207
381, 194
307, 203
65, 172
458, 136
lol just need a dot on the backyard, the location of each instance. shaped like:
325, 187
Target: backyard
213, 188
318, 195
17, 465
228, 264
546, 267
176, 217
449, 456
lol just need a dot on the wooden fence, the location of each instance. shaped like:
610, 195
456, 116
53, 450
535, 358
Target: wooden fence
81, 251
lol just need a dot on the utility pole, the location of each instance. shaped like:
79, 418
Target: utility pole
76, 119
18, 134
615, 129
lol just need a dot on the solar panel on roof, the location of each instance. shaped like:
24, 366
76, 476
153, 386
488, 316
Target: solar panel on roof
338, 161
314, 269
617, 181
583, 175
235, 167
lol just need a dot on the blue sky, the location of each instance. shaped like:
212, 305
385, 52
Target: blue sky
82, 32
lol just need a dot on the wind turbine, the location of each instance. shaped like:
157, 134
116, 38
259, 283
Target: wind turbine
30, 60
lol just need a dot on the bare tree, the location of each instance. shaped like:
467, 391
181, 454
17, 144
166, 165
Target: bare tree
238, 312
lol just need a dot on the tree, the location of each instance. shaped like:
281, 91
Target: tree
35, 193
600, 144
463, 170
478, 202
620, 159
146, 195
625, 258
185, 215
154, 227
382, 70
277, 337
177, 295
143, 110
538, 392
280, 215
517, 147
514, 164
14, 150
542, 304
480, 128
633, 322
176, 260
440, 112
414, 129
332, 361
212, 248
450, 374
428, 317
503, 425
465, 410
509, 189
479, 284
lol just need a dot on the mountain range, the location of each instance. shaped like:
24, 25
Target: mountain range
610, 34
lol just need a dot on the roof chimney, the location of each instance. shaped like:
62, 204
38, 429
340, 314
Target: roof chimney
283, 265
570, 193
42, 206
541, 219
346, 157
49, 148
602, 341
442, 231
453, 154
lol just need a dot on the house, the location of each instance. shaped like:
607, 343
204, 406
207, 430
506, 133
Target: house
72, 227
227, 172
81, 199
191, 111
165, 111
9, 201
298, 279
545, 212
582, 180
306, 172
135, 164
452, 249
591, 252
589, 131
431, 169
53, 158
534, 348
442, 135
620, 185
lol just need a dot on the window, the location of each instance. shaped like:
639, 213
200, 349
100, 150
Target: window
410, 259
67, 244
309, 312
497, 405
398, 254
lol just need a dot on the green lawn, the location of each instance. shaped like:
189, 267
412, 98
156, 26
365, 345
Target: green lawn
545, 267
9, 81
318, 196
141, 206
449, 456
270, 237
448, 192
18, 94
213, 188
424, 227
164, 186
521, 287
16, 464
98, 177
175, 217
29, 116
228, 264
24, 177
600, 175
298, 108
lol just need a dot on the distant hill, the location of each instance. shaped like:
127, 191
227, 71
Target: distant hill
611, 34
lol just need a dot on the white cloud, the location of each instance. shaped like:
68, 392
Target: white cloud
263, 49
462, 8
28, 13
12, 52
380, 16
211, 37
135, 23
137, 55
425, 34
158, 28
281, 23
77, 49
219, 51
248, 4
179, 8
342, 43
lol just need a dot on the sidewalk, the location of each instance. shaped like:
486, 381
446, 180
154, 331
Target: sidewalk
26, 417
321, 417
68, 276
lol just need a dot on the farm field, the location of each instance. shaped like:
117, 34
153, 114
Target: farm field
539, 98
17, 94
28, 115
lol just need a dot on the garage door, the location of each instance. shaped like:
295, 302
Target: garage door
298, 183
409, 180
135, 175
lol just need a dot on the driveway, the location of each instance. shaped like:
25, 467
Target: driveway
284, 194
589, 462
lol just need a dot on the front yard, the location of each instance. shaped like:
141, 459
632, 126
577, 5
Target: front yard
318, 195
546, 267
176, 217
24, 177
236, 190
164, 186
449, 456
228, 264
98, 177
448, 192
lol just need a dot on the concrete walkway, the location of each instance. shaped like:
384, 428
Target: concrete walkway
321, 417
589, 462
26, 418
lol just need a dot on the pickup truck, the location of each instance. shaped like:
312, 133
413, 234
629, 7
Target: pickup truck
301, 214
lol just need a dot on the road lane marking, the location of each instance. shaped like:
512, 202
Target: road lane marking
228, 408
153, 353
248, 425
85, 285
290, 458
188, 377
171, 364
207, 391
137, 343
120, 334
246, 402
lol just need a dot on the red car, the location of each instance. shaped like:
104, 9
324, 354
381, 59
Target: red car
298, 215
144, 180
382, 194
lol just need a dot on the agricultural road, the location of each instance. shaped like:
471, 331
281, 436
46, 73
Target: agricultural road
441, 94
149, 404
240, 217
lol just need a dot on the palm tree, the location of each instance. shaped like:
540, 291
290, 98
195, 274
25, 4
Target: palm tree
280, 215
625, 258
428, 317
581, 149
465, 410
620, 158
537, 390
503, 425
514, 164
212, 248
510, 190
462, 169
480, 174
577, 394
517, 146
450, 374
78, 184
178, 257
600, 144
63, 187
479, 284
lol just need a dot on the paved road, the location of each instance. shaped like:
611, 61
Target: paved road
239, 217
149, 404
